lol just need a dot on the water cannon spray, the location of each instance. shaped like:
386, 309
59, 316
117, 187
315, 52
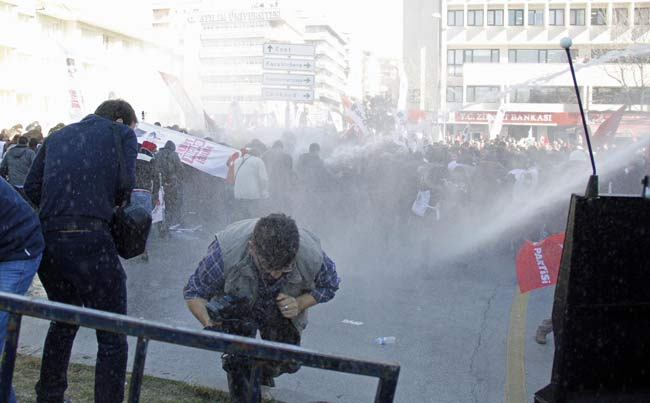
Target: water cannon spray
592, 186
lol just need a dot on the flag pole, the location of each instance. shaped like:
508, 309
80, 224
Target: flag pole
592, 186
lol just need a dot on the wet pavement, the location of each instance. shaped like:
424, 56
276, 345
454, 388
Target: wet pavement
450, 320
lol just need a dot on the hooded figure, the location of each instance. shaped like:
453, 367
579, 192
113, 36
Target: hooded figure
16, 163
171, 173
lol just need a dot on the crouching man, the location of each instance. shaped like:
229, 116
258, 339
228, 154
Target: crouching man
260, 274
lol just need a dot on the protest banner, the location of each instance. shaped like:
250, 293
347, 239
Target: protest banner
204, 155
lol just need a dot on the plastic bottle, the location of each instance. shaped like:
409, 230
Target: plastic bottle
385, 340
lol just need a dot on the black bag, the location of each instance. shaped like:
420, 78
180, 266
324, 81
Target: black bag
131, 224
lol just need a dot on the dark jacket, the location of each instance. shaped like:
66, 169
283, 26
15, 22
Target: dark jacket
146, 172
16, 163
20, 232
312, 173
279, 167
75, 175
170, 165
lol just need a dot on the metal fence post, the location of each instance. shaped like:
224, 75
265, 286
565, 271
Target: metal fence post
9, 356
138, 369
254, 389
387, 387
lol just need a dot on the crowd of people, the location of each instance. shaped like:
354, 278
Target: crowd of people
59, 196
58, 215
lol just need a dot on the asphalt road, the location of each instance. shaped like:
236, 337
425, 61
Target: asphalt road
450, 319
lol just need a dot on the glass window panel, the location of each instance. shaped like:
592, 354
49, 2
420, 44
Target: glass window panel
535, 17
515, 17
482, 56
475, 17
577, 16
455, 18
495, 17
642, 16
598, 16
556, 16
555, 56
620, 17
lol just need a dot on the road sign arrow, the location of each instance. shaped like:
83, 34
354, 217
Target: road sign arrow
270, 48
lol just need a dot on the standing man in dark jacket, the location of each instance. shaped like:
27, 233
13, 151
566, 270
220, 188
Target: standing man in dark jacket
171, 173
147, 181
75, 181
16, 163
21, 249
279, 166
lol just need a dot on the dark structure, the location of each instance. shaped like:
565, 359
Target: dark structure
601, 312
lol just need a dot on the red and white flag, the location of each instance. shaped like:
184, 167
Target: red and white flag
354, 114
538, 263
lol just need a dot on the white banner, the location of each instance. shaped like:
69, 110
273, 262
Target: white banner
204, 155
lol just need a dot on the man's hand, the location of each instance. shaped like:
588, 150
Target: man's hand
287, 305
197, 307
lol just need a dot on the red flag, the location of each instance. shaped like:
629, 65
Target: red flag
609, 127
538, 263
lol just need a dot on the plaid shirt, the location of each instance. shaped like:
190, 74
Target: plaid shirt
209, 279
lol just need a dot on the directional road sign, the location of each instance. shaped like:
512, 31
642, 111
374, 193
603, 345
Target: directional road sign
282, 94
289, 49
289, 80
273, 63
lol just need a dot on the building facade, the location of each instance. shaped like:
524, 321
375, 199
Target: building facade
332, 69
58, 62
420, 52
506, 74
223, 43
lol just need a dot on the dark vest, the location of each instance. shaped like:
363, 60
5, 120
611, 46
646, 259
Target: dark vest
241, 275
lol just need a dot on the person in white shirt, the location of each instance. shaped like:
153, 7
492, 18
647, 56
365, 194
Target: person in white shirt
251, 185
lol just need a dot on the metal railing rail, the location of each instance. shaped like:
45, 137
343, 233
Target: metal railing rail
144, 330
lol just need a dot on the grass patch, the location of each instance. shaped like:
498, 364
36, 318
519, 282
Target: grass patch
81, 381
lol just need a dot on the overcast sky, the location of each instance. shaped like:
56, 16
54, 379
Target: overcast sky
376, 25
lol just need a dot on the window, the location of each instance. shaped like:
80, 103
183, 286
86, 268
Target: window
523, 56
535, 17
495, 17
455, 62
543, 95
598, 16
619, 95
642, 16
515, 17
475, 18
577, 16
620, 17
481, 56
536, 56
455, 18
456, 58
556, 16
455, 94
483, 94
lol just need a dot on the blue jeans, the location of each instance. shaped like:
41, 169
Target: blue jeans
143, 199
15, 277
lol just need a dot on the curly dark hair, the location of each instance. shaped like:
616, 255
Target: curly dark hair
114, 109
276, 240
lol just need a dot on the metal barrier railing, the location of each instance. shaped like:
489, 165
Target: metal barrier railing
144, 330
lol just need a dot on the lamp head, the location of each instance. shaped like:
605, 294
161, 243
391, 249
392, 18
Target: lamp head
566, 42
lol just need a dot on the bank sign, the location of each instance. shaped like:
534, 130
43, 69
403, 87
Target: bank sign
525, 118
